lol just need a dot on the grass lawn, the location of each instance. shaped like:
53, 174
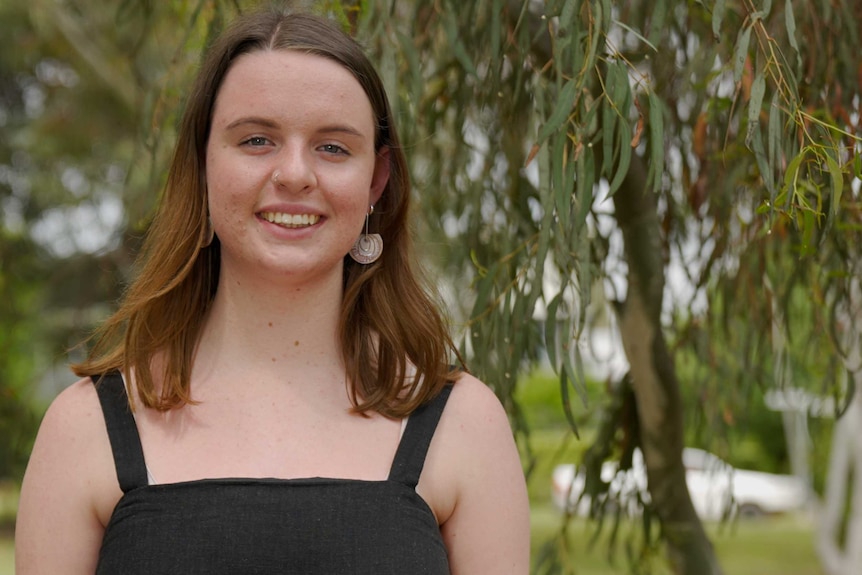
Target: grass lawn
768, 546
7, 556
8, 505
771, 546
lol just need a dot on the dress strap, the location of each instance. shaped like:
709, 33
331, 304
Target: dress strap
410, 456
122, 431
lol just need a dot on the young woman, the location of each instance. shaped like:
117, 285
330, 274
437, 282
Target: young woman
274, 394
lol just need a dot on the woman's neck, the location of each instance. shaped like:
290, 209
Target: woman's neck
278, 328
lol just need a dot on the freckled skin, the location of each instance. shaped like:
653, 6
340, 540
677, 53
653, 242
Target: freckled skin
322, 149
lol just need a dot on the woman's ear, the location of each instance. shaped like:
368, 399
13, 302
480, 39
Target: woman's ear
381, 174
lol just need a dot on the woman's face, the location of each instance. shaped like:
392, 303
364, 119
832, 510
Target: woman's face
291, 167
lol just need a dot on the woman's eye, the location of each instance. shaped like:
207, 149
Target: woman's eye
333, 149
256, 141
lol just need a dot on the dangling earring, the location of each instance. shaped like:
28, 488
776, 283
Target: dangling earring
210, 233
368, 247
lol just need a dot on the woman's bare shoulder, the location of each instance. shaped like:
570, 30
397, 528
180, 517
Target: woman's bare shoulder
69, 487
72, 431
75, 410
474, 404
479, 491
474, 429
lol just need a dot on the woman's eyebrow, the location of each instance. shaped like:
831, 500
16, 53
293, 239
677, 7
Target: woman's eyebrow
254, 120
267, 123
341, 129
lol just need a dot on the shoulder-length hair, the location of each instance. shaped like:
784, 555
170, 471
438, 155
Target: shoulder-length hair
394, 343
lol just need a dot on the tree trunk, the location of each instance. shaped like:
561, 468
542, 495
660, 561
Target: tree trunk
653, 373
845, 464
654, 379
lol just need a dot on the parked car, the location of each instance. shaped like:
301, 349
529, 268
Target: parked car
717, 489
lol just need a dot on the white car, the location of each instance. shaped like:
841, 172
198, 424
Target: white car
717, 489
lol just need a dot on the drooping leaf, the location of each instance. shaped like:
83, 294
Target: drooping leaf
656, 126
717, 17
562, 110
755, 105
837, 180
740, 53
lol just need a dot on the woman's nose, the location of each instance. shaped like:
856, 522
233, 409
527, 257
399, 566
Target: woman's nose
294, 172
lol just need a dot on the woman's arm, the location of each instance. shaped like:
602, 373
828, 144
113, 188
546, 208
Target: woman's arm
69, 484
486, 524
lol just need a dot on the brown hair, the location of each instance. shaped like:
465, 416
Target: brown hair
388, 326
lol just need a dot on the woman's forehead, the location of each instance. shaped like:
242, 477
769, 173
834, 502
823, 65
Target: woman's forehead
291, 83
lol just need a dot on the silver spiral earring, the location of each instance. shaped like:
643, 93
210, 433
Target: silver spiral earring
368, 247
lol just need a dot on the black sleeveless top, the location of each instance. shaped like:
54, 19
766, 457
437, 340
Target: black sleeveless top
270, 526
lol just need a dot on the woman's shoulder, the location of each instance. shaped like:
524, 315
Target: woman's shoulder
474, 404
474, 428
73, 434
68, 488
71, 428
475, 483
72, 431
76, 408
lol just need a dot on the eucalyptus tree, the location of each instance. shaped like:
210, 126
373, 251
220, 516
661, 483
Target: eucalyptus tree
569, 143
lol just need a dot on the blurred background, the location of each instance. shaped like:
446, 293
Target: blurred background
643, 217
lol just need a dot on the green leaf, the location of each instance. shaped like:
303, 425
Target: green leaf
774, 135
567, 400
569, 16
837, 182
590, 121
848, 396
755, 105
766, 172
496, 27
792, 172
808, 227
546, 225
657, 21
408, 50
585, 279
596, 34
740, 53
625, 148
604, 17
608, 122
562, 110
717, 17
483, 292
586, 179
790, 24
551, 328
621, 93
557, 166
656, 127
458, 48
562, 181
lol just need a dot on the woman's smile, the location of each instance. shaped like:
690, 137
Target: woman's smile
292, 171
290, 220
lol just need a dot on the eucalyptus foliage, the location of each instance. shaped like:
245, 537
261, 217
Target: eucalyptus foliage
564, 145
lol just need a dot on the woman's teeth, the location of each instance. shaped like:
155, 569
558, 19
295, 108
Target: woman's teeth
290, 220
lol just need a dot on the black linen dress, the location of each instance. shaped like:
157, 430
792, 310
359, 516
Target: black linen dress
269, 526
